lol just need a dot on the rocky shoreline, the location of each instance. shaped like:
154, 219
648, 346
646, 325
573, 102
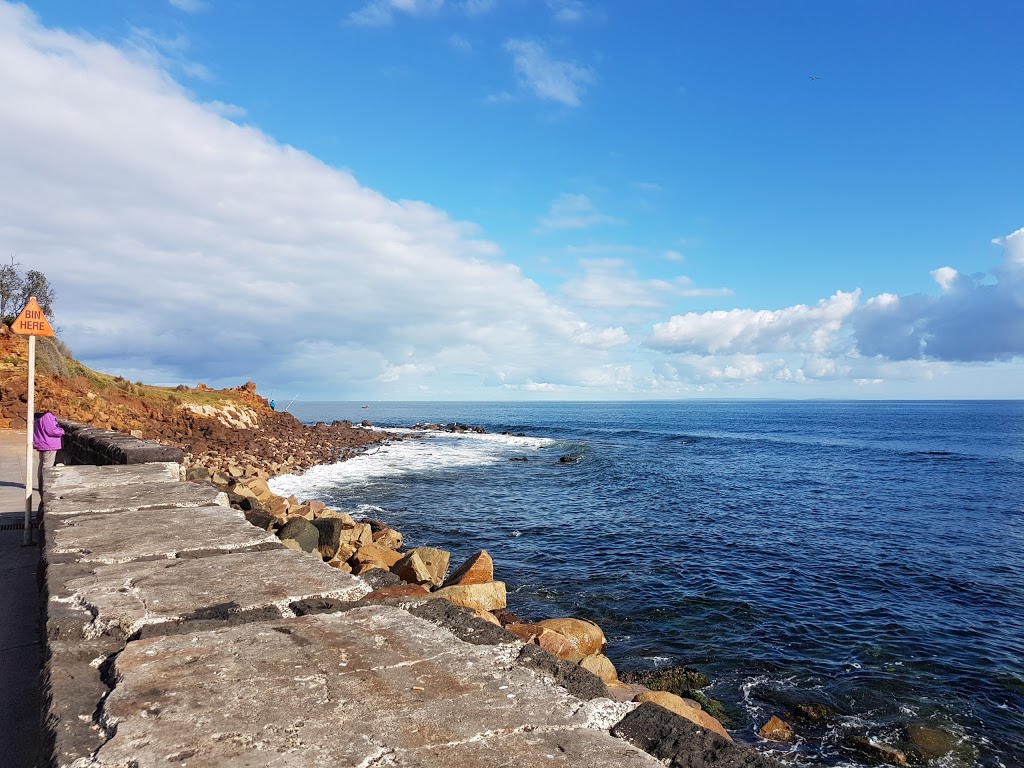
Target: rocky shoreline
375, 551
238, 443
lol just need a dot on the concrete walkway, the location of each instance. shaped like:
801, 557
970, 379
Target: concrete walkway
21, 638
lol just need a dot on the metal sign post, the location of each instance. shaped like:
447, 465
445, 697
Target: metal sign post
31, 322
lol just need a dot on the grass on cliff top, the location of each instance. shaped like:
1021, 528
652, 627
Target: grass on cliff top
104, 382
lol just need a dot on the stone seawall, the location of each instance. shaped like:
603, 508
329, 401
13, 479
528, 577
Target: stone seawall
84, 444
180, 634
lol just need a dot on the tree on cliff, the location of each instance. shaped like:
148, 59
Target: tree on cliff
36, 284
16, 287
10, 286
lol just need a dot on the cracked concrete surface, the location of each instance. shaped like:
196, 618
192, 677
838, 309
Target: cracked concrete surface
370, 686
172, 643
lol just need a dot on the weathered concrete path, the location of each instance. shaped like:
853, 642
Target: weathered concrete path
175, 639
21, 637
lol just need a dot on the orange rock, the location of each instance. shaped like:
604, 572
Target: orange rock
525, 632
373, 552
585, 636
776, 729
412, 569
601, 666
677, 704
478, 569
388, 537
476, 597
558, 645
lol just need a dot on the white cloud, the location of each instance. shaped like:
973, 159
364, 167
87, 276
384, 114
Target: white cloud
479, 7
571, 211
189, 6
460, 44
381, 13
601, 338
801, 328
977, 318
185, 247
945, 277
229, 111
166, 52
567, 11
610, 283
546, 77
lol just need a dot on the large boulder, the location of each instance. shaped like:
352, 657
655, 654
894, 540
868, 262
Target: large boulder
601, 666
412, 569
388, 537
331, 538
478, 569
302, 532
369, 552
584, 635
429, 562
554, 643
476, 597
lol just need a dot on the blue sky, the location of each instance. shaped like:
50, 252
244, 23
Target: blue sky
501, 199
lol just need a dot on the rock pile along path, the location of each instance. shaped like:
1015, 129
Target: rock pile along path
176, 638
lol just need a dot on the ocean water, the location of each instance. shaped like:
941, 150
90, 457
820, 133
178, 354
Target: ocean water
868, 556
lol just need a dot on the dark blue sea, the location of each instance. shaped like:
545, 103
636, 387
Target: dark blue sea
868, 556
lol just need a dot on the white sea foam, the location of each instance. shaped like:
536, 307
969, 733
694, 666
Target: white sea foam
411, 456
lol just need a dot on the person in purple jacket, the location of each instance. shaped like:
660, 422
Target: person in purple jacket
46, 438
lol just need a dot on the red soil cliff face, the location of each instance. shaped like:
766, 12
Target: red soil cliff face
215, 428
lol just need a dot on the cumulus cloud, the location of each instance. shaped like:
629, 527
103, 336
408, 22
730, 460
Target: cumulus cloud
186, 247
887, 338
800, 328
546, 77
976, 318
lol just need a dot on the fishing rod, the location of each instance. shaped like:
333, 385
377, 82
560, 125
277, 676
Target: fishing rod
290, 404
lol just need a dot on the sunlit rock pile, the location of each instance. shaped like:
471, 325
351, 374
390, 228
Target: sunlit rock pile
421, 574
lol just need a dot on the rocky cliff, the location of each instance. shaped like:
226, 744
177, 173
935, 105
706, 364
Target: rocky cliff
216, 428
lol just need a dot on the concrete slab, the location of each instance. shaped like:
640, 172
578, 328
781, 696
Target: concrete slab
582, 747
75, 477
126, 597
364, 687
112, 498
146, 534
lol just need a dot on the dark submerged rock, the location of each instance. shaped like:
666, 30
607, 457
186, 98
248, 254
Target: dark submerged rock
683, 744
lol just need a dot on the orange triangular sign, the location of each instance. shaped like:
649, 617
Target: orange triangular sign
32, 321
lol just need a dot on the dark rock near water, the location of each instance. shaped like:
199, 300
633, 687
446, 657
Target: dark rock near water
303, 532
812, 712
519, 458
683, 744
883, 753
379, 579
462, 623
580, 682
678, 680
319, 605
929, 741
